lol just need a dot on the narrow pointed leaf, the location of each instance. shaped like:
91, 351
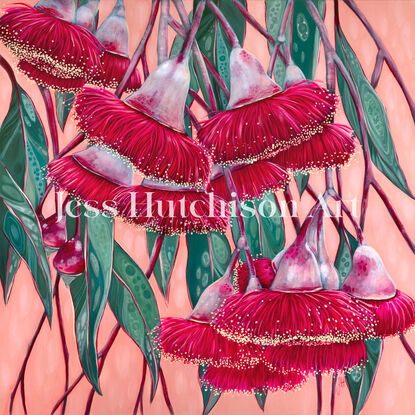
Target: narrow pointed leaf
210, 397
381, 147
90, 292
64, 102
261, 398
306, 37
271, 225
360, 380
22, 229
302, 180
343, 261
134, 305
165, 262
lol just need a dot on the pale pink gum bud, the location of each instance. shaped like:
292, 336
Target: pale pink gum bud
86, 14
368, 278
249, 82
293, 74
163, 94
65, 9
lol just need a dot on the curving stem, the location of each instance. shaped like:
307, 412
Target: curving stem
53, 128
163, 39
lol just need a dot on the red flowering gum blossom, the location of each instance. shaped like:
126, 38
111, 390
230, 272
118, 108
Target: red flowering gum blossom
306, 360
264, 271
334, 146
45, 38
196, 342
113, 36
92, 175
251, 180
370, 281
272, 318
172, 210
261, 119
155, 149
257, 379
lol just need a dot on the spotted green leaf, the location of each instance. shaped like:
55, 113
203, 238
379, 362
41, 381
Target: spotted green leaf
133, 303
306, 37
360, 380
381, 147
251, 229
343, 261
261, 398
274, 12
165, 262
21, 228
210, 397
90, 291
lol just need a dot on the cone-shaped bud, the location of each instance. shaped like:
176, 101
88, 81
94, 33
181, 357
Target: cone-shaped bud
163, 94
64, 9
249, 82
69, 260
297, 270
53, 231
86, 15
293, 74
368, 278
113, 32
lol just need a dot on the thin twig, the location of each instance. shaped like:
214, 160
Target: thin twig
319, 393
290, 204
166, 393
407, 347
333, 392
163, 39
139, 401
50, 113
227, 28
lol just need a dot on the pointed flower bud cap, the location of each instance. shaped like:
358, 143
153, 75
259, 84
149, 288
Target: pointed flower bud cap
193, 340
297, 270
147, 128
91, 175
86, 15
368, 278
52, 50
69, 260
249, 82
113, 36
260, 119
293, 74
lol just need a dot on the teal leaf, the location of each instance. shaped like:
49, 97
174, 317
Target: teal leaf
134, 305
302, 180
251, 229
272, 235
360, 380
208, 257
306, 37
261, 398
90, 291
210, 397
343, 261
64, 102
274, 11
165, 262
381, 147
22, 229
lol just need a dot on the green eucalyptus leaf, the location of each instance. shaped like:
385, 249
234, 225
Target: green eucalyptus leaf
210, 397
274, 11
261, 398
302, 180
22, 229
134, 305
360, 380
271, 226
306, 37
251, 229
64, 102
343, 261
208, 257
90, 291
165, 262
381, 147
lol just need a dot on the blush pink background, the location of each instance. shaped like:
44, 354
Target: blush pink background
393, 390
